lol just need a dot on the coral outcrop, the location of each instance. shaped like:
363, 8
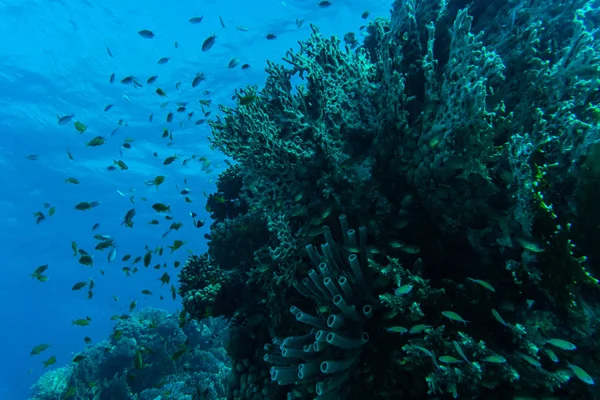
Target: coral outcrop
150, 355
461, 138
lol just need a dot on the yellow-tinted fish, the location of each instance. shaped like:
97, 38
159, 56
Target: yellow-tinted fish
49, 362
38, 349
97, 141
81, 127
176, 245
454, 316
38, 273
82, 322
158, 180
581, 374
483, 284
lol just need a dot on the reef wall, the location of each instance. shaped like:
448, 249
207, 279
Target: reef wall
460, 141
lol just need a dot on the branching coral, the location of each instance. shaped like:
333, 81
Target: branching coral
289, 139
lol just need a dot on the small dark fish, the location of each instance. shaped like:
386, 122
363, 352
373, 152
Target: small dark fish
271, 36
209, 42
38, 349
163, 60
79, 285
108, 51
195, 20
221, 21
158, 180
146, 34
233, 63
128, 220
32, 157
127, 80
350, 39
65, 119
247, 99
161, 92
199, 78
324, 3
245, 66
147, 258
97, 141
151, 80
365, 15
108, 107
83, 206
96, 226
169, 160
160, 207
112, 78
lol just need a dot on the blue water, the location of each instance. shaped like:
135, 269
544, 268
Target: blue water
53, 60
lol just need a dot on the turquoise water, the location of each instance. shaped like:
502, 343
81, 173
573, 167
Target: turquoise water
54, 60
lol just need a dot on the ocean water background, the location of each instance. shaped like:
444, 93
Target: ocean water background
54, 60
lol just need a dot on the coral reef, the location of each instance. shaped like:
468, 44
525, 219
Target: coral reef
462, 138
149, 355
330, 352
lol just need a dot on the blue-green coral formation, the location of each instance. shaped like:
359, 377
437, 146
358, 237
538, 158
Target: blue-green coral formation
463, 136
177, 360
